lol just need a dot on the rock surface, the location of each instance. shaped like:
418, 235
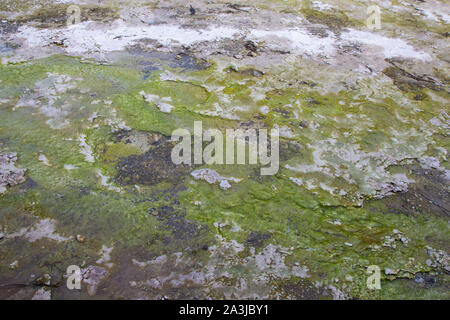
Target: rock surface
10, 175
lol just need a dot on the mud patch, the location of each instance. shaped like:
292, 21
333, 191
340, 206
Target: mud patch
140, 139
152, 167
407, 81
424, 197
236, 48
181, 228
302, 289
257, 239
151, 60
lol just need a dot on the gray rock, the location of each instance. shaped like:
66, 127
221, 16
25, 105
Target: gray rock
212, 177
92, 276
9, 174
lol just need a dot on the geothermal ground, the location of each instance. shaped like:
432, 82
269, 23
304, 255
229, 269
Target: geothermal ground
88, 106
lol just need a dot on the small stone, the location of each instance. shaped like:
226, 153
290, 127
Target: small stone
155, 213
44, 280
238, 56
253, 72
80, 238
224, 185
92, 276
212, 177
233, 68
14, 265
250, 45
252, 54
389, 271
304, 124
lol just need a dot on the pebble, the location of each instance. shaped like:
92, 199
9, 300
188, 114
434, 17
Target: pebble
14, 265
233, 68
44, 280
80, 238
389, 271
418, 279
224, 185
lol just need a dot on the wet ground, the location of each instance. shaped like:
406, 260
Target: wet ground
86, 177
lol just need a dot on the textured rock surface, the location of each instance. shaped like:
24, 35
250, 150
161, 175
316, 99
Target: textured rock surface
10, 175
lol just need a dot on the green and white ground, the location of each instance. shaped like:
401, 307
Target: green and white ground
86, 114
